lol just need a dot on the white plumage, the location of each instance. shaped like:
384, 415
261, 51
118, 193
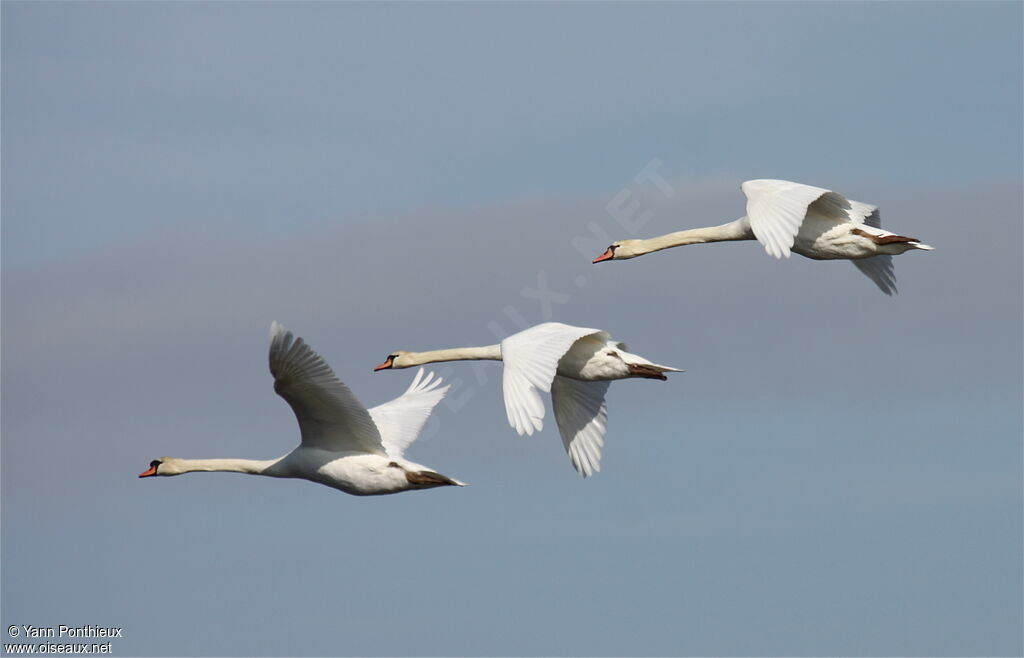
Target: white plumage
574, 364
344, 445
789, 217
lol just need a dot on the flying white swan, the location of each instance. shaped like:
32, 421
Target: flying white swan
574, 363
785, 216
344, 445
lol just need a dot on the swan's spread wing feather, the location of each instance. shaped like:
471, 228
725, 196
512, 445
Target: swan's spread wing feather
330, 417
531, 359
838, 208
865, 213
880, 270
401, 420
523, 404
776, 208
582, 417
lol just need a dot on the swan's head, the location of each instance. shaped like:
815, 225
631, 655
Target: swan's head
620, 250
397, 360
162, 466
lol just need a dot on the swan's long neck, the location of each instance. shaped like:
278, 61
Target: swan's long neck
488, 353
737, 230
254, 466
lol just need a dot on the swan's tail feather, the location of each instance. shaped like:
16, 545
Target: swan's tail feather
925, 247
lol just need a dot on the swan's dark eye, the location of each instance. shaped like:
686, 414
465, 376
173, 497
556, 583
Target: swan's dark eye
155, 463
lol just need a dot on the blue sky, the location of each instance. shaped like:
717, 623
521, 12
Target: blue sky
837, 472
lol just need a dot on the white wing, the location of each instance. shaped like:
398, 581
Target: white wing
838, 208
401, 420
880, 270
330, 417
582, 417
776, 208
531, 359
865, 213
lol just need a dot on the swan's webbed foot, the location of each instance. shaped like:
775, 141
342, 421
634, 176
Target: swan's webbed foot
427, 479
883, 239
647, 372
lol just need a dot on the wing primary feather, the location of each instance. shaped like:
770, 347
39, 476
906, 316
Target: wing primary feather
530, 361
581, 415
401, 420
881, 270
330, 417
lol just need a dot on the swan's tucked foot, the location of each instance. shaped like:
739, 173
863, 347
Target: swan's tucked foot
647, 372
428, 479
883, 239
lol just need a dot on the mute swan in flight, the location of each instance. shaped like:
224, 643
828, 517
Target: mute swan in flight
785, 216
574, 364
344, 445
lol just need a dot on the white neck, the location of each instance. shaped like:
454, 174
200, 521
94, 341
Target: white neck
254, 466
737, 230
488, 353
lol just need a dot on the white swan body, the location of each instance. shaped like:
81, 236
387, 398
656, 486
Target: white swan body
574, 364
790, 217
344, 445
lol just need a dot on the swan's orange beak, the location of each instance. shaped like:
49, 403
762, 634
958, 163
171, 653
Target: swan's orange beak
384, 366
608, 254
147, 473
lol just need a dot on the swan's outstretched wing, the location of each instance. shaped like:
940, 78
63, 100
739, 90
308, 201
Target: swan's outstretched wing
582, 417
531, 359
330, 417
401, 420
880, 270
776, 208
865, 213
838, 208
